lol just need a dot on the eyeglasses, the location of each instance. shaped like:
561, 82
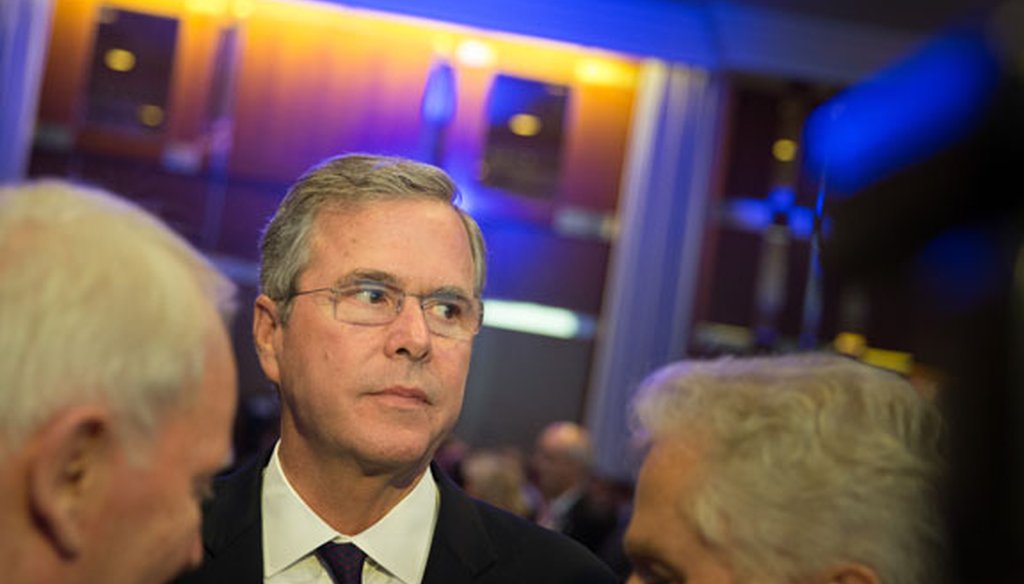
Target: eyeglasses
373, 303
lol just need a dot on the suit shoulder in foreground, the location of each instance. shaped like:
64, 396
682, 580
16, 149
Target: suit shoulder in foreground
475, 542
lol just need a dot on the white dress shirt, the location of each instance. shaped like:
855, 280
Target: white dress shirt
396, 547
555, 513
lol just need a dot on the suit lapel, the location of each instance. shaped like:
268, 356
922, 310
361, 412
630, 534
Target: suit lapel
461, 548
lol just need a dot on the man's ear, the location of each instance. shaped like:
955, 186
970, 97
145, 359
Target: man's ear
69, 471
266, 332
850, 573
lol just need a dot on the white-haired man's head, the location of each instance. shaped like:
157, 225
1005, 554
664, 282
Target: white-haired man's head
119, 388
803, 468
98, 300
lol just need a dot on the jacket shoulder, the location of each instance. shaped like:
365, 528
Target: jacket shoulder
531, 553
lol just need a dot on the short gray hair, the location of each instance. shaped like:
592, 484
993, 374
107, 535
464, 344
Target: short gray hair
99, 301
812, 459
339, 184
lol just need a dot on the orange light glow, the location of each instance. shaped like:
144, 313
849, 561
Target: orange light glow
606, 73
211, 7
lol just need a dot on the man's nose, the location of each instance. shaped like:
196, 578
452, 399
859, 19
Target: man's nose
409, 335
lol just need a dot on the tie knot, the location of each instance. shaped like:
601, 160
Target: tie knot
344, 561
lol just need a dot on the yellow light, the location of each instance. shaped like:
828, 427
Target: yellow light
119, 60
525, 125
474, 53
853, 344
897, 361
603, 72
212, 7
443, 44
784, 150
150, 115
244, 8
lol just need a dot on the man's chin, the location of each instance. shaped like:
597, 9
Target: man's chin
404, 461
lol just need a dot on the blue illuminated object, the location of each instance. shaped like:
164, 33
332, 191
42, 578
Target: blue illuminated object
781, 198
749, 213
904, 114
438, 105
757, 214
801, 222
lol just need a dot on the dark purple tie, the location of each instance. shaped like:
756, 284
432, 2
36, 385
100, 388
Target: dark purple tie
344, 561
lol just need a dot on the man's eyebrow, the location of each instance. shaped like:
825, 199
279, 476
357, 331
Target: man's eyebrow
371, 275
389, 279
451, 292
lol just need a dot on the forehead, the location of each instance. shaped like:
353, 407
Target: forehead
561, 438
668, 479
420, 242
661, 535
197, 435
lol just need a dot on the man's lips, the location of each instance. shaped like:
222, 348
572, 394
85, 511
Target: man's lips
411, 394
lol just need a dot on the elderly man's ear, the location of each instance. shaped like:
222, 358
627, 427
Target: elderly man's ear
851, 573
70, 468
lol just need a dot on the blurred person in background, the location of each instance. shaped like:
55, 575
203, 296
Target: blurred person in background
561, 468
803, 469
497, 478
118, 390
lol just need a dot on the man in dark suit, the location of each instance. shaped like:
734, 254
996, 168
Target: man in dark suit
371, 280
561, 471
561, 468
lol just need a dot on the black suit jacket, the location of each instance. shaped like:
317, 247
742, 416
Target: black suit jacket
591, 522
473, 542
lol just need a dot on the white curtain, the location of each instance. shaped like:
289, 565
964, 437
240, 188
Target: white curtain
653, 273
24, 36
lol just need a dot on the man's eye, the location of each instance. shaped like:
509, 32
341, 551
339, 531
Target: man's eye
653, 575
445, 310
370, 295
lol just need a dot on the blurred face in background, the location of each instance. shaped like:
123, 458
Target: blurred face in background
554, 472
555, 468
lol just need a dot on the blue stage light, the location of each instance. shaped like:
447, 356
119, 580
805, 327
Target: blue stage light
903, 114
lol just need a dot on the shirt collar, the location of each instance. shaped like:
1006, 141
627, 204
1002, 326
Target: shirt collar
561, 504
399, 542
